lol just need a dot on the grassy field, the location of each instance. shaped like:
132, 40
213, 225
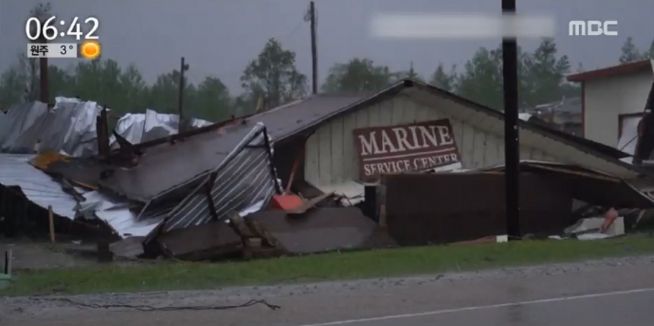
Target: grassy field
168, 275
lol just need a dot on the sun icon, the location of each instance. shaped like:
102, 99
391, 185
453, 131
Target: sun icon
90, 50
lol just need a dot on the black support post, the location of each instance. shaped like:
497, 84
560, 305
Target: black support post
511, 135
314, 50
180, 98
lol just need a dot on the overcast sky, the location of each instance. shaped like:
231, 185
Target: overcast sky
219, 37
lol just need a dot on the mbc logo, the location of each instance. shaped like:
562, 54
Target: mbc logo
592, 28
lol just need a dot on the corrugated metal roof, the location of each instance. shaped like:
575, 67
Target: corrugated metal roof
38, 187
68, 127
142, 127
116, 213
286, 120
170, 165
239, 182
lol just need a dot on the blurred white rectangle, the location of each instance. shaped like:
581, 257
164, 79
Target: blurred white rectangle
51, 50
458, 26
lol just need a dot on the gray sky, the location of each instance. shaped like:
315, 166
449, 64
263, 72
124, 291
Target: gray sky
219, 37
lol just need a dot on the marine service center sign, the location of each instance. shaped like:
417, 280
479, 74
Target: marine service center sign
404, 148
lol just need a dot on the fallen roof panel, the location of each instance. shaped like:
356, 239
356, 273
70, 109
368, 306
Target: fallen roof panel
167, 166
142, 127
242, 183
116, 213
38, 187
321, 229
69, 127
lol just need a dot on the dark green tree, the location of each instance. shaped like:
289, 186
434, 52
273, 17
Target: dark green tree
135, 90
12, 87
99, 81
32, 66
356, 76
105, 82
442, 79
408, 74
163, 93
481, 80
272, 76
212, 100
61, 83
542, 74
244, 105
630, 52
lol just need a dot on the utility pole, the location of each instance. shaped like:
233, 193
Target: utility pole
180, 98
44, 95
511, 135
314, 51
412, 73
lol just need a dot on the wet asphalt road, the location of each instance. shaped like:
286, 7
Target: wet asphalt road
608, 292
631, 307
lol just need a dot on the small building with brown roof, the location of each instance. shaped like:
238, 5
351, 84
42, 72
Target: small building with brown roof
613, 100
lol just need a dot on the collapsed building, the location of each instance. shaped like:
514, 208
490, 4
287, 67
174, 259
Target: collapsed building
224, 188
326, 134
349, 144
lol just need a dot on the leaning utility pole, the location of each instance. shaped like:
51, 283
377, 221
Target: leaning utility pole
180, 98
314, 51
511, 140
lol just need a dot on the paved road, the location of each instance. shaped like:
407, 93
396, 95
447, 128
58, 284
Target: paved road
608, 292
627, 307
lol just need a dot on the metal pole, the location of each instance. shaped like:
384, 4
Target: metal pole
51, 225
8, 259
511, 136
43, 74
314, 52
180, 98
44, 95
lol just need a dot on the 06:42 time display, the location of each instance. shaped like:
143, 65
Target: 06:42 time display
35, 29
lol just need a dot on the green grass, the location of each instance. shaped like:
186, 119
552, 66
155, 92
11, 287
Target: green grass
169, 275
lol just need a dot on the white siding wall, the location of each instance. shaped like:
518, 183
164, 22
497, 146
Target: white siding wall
331, 157
606, 98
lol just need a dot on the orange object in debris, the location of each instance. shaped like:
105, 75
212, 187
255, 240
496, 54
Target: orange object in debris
609, 218
43, 160
287, 202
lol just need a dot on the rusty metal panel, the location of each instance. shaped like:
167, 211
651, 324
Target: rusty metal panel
440, 208
404, 148
321, 229
200, 242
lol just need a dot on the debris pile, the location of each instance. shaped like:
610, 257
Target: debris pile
328, 180
138, 128
207, 193
463, 206
69, 127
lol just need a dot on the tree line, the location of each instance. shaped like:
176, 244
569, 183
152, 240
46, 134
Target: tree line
272, 79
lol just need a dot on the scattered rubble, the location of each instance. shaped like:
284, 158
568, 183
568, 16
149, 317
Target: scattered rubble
138, 128
213, 191
321, 229
592, 228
